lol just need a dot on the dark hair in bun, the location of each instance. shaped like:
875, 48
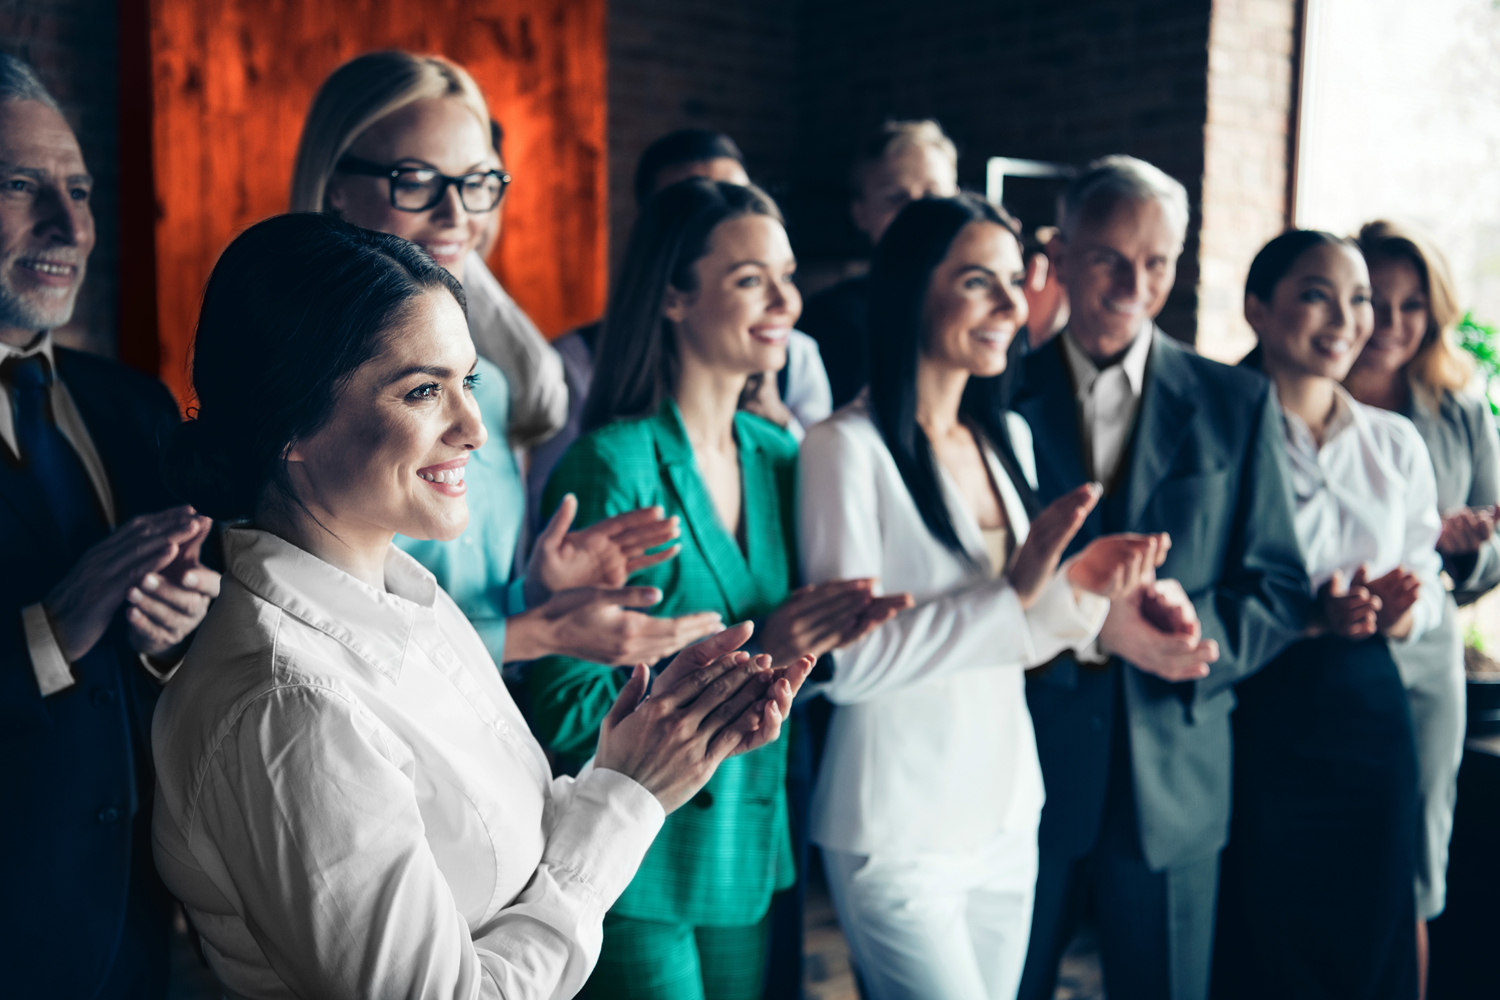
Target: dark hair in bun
294, 306
1279, 256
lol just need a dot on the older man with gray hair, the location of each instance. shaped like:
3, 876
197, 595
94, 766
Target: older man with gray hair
101, 589
1133, 733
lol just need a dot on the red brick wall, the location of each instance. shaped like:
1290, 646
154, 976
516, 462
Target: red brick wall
71, 45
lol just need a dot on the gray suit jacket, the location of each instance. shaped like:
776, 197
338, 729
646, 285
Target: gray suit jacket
1206, 463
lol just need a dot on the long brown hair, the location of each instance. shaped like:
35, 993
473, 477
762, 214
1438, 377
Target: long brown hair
1439, 365
637, 354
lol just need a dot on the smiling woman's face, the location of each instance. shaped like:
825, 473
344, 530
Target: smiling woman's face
391, 458
742, 312
1319, 316
437, 132
976, 300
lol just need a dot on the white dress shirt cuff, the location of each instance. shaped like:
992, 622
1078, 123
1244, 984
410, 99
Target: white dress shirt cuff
162, 674
1068, 619
47, 661
604, 830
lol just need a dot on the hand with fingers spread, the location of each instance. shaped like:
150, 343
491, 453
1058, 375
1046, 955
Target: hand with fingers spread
1466, 529
1156, 630
1397, 591
1115, 565
595, 624
1049, 535
1349, 609
604, 554
818, 618
709, 703
169, 604
82, 604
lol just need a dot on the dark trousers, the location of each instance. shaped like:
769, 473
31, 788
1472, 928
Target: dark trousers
1155, 927
1462, 963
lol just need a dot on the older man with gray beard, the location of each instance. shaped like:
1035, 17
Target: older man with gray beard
97, 599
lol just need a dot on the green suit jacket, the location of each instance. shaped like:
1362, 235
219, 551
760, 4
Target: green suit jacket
719, 858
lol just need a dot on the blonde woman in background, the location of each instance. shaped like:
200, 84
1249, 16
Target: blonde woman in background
1412, 366
404, 144
365, 108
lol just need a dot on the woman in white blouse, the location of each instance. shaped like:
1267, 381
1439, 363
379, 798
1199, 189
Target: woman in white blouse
1316, 896
927, 803
348, 802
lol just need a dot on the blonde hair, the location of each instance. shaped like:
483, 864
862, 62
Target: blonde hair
357, 95
1439, 364
895, 136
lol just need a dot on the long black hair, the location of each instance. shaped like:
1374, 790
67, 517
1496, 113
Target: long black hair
909, 252
637, 355
294, 306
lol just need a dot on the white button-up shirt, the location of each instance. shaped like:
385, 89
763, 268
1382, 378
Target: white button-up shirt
1368, 496
1108, 401
349, 804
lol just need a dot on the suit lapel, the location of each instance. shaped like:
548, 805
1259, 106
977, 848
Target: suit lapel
1166, 415
719, 550
1050, 405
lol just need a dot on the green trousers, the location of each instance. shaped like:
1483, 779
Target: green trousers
652, 961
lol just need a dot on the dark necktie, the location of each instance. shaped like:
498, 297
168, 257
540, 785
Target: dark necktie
48, 459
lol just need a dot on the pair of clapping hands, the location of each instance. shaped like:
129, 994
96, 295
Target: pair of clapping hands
1151, 623
580, 607
1360, 607
152, 563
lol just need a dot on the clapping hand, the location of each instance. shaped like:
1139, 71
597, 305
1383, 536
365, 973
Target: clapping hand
1397, 591
710, 703
1465, 530
169, 604
1049, 535
1115, 565
604, 554
822, 617
596, 624
82, 604
1157, 630
1349, 609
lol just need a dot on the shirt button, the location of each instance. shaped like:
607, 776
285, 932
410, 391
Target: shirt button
703, 799
102, 696
108, 814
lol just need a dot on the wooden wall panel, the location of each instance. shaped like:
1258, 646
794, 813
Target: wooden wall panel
232, 80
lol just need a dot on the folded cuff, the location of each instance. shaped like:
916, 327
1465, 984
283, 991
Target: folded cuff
47, 661
605, 830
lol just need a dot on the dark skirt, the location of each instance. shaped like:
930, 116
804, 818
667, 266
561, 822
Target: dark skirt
1316, 897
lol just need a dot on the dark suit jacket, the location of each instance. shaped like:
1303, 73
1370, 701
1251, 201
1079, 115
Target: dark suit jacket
836, 319
1206, 464
77, 763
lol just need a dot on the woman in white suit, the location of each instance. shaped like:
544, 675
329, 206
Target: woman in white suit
928, 800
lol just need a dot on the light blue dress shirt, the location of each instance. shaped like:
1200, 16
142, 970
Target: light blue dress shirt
475, 568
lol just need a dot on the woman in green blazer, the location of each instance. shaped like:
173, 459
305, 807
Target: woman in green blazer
704, 303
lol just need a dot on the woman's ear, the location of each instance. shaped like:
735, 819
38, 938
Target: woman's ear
334, 195
1256, 313
674, 304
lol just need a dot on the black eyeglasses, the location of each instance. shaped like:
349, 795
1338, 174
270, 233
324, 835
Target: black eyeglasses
416, 189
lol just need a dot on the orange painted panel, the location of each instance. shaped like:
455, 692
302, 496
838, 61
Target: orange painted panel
232, 81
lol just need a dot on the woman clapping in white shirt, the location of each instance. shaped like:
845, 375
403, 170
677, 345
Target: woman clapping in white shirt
1316, 891
348, 802
930, 790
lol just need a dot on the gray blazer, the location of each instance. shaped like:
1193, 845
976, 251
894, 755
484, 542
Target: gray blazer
1465, 449
1207, 464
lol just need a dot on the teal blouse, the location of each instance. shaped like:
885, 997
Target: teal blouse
475, 568
719, 858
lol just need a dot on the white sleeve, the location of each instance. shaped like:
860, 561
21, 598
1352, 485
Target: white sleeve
808, 394
311, 811
47, 661
1423, 525
840, 533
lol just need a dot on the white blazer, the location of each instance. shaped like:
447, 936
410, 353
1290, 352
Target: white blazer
931, 748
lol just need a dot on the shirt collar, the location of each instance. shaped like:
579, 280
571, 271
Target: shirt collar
1085, 372
41, 345
1346, 415
376, 625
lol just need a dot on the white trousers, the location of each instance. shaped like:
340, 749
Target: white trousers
938, 926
